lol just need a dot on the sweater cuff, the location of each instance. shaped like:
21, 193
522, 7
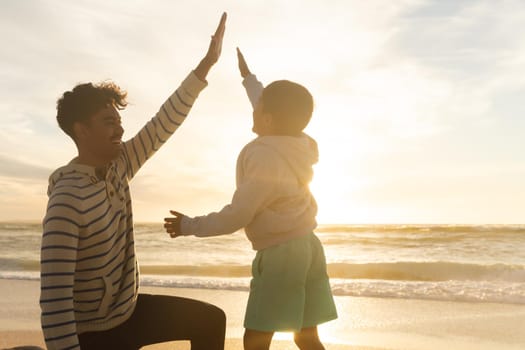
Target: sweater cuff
193, 85
250, 80
185, 226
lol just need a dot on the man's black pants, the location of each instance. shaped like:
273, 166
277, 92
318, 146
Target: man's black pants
162, 318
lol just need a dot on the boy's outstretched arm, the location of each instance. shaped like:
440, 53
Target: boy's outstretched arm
253, 87
253, 193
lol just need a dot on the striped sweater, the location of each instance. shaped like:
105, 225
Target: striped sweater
89, 272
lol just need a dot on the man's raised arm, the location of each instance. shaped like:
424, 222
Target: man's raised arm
173, 112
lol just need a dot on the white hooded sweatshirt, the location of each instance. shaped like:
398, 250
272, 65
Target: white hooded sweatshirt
272, 201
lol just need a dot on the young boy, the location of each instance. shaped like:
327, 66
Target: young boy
290, 289
89, 273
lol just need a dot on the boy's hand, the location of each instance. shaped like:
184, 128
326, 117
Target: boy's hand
172, 225
214, 50
243, 67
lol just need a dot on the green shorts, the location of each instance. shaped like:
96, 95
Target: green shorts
290, 289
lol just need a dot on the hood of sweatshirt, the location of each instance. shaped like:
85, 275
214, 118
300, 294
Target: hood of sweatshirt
300, 153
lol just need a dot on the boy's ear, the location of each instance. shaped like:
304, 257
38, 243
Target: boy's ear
267, 118
272, 124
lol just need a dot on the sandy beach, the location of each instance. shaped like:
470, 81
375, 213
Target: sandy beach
364, 323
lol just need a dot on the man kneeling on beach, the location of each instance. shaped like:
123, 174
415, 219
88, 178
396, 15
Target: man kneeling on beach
89, 273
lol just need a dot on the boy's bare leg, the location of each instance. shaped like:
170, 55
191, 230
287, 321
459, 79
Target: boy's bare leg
257, 340
308, 339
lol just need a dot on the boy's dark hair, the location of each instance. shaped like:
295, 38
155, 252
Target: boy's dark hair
290, 103
85, 100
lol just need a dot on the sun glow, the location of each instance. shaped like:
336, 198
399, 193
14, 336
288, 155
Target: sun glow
333, 200
327, 333
336, 184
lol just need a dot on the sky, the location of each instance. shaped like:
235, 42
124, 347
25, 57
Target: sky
419, 111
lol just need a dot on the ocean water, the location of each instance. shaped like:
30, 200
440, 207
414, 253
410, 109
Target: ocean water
484, 263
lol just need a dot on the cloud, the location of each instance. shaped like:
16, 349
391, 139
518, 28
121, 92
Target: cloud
191, 192
23, 187
471, 45
399, 86
15, 168
435, 67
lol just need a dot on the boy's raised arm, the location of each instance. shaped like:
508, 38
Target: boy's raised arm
243, 66
253, 87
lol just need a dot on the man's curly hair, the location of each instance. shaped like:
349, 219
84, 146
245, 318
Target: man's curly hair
85, 100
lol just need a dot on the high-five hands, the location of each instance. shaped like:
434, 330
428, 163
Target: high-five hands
214, 50
172, 225
243, 67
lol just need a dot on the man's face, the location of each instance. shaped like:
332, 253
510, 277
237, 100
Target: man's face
103, 135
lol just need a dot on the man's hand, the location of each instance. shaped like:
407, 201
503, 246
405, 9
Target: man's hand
243, 67
214, 50
172, 225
